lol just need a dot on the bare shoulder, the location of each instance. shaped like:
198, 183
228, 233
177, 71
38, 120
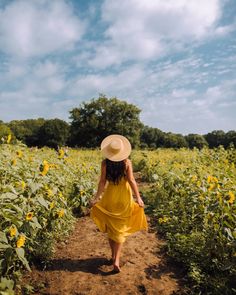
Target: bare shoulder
128, 163
103, 164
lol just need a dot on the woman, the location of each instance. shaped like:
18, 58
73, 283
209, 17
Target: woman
116, 212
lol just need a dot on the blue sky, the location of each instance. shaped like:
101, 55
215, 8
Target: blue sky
174, 59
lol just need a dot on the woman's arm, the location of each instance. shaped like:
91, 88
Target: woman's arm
102, 181
133, 184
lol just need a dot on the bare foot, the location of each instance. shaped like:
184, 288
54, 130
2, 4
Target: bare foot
116, 268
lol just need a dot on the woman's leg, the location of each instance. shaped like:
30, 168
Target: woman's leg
112, 245
117, 251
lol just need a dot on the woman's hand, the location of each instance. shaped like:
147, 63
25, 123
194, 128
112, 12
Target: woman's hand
140, 202
92, 202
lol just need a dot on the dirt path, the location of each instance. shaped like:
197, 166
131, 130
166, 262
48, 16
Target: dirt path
80, 266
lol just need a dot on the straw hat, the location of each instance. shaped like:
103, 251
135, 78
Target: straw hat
115, 147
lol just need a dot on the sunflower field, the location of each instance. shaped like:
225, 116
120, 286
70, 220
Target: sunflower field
190, 196
41, 192
192, 200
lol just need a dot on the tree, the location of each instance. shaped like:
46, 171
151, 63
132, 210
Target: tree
151, 137
54, 133
230, 139
172, 140
93, 121
27, 130
215, 138
4, 132
196, 140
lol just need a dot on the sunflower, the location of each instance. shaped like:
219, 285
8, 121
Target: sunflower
231, 197
21, 241
13, 162
163, 220
45, 167
19, 154
52, 205
9, 138
60, 213
12, 230
61, 153
29, 216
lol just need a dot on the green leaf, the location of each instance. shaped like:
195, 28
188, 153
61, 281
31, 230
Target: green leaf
21, 255
227, 224
3, 237
42, 202
12, 189
8, 292
35, 186
15, 207
6, 284
9, 196
35, 223
228, 232
4, 246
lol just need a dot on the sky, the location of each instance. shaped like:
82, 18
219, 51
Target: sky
174, 59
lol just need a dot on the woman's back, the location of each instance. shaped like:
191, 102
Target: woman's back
117, 197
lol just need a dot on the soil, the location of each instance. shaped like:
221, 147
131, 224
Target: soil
80, 266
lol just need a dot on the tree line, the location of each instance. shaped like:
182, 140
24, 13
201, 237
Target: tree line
94, 120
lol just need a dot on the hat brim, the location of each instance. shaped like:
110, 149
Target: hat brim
121, 155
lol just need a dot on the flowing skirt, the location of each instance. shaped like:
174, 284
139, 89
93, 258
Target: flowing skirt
117, 213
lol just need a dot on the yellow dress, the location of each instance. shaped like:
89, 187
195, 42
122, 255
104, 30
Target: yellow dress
117, 213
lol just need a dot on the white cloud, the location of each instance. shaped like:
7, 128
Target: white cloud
27, 103
178, 93
208, 110
166, 102
22, 104
225, 30
166, 94
165, 19
142, 30
34, 28
110, 84
45, 69
41, 92
31, 89
106, 55
192, 93
12, 72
